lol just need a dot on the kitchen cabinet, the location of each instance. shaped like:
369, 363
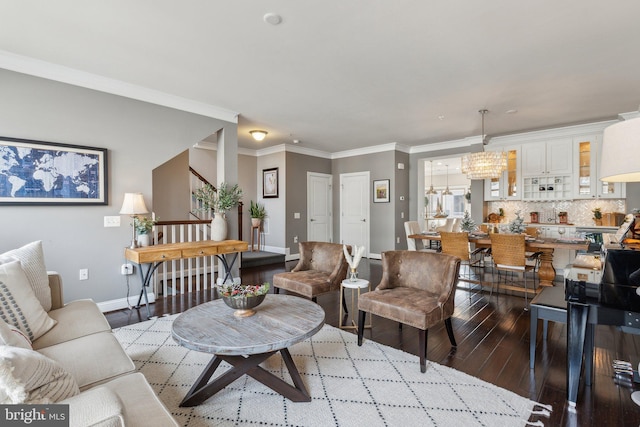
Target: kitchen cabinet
546, 158
587, 166
508, 185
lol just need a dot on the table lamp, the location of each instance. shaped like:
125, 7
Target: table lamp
133, 205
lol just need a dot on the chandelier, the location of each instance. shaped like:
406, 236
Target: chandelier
484, 164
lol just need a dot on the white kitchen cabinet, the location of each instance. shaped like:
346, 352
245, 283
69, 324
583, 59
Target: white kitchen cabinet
587, 166
508, 185
547, 158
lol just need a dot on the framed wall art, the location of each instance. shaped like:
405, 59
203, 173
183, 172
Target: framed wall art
270, 182
381, 191
47, 173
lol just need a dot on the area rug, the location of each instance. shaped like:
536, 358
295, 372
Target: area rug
372, 385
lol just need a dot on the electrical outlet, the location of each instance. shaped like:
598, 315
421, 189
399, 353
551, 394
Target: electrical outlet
397, 240
295, 239
126, 269
83, 274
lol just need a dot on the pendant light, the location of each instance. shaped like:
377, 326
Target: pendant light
484, 164
447, 192
431, 191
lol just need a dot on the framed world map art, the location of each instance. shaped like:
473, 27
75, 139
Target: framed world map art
38, 172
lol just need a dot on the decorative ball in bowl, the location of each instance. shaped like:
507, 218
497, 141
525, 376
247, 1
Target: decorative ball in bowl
244, 298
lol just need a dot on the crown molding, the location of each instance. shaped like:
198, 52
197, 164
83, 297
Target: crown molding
392, 146
446, 145
545, 134
59, 73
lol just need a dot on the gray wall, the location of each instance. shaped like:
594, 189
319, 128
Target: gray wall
171, 189
275, 223
296, 181
247, 172
382, 226
139, 137
401, 192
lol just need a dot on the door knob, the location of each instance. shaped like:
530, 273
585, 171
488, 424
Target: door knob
312, 220
364, 220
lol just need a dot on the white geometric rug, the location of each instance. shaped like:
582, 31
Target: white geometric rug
372, 385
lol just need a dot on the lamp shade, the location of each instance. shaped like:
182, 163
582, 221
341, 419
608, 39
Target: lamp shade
619, 146
133, 204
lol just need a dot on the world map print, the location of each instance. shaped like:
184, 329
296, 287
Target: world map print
28, 173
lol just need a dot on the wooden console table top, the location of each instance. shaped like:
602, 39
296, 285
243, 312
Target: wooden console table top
175, 251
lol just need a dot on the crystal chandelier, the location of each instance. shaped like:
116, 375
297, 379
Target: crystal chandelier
484, 164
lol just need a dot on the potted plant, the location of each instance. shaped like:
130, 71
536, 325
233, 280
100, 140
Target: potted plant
467, 224
143, 226
597, 216
258, 213
220, 200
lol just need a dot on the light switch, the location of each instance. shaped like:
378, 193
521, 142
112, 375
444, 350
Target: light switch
296, 215
112, 221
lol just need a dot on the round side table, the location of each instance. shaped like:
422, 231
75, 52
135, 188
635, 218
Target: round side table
357, 284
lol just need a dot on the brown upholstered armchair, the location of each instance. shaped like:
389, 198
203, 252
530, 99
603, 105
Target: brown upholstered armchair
417, 289
321, 269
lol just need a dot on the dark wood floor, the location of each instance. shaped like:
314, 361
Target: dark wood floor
493, 344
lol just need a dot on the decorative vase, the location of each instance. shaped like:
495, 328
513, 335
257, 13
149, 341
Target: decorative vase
353, 275
218, 227
598, 221
255, 222
143, 240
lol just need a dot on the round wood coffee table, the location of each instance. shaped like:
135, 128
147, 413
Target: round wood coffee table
280, 321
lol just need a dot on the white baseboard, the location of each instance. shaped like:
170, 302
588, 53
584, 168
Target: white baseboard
120, 303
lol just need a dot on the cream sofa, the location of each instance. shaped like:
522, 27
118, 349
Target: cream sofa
111, 393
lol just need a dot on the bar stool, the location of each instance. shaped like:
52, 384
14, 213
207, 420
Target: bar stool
257, 229
549, 304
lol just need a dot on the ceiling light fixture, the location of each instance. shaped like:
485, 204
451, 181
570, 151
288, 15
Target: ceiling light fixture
431, 191
484, 164
258, 135
447, 192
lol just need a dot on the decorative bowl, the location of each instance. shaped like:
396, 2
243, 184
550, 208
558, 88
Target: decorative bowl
243, 298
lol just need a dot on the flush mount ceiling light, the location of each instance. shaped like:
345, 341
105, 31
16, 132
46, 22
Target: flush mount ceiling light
484, 164
258, 135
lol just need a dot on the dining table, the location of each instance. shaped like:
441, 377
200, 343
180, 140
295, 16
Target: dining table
546, 272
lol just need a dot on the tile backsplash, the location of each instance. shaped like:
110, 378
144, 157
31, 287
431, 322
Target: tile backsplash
579, 212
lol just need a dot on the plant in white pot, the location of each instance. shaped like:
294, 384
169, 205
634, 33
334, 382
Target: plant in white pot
143, 226
257, 212
220, 200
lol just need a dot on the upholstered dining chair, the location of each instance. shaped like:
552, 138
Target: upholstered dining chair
457, 244
413, 227
320, 270
416, 289
508, 252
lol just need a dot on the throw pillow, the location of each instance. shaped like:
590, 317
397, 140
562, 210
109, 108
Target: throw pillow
18, 304
10, 335
32, 260
27, 376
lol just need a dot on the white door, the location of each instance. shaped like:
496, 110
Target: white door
354, 209
319, 196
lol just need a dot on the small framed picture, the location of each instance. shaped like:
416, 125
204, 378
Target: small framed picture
381, 191
270, 182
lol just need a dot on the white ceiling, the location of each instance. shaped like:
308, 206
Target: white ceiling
339, 75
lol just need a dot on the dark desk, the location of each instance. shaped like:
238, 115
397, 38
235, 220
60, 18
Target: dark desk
582, 317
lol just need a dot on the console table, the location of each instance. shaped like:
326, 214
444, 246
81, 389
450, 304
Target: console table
155, 255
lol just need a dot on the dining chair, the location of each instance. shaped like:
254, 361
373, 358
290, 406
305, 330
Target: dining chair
457, 244
508, 252
413, 227
533, 257
417, 289
448, 225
